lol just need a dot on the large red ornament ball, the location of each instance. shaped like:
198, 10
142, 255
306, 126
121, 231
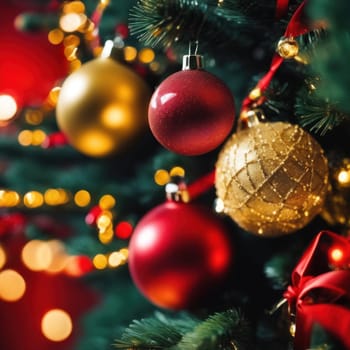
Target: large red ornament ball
178, 253
191, 112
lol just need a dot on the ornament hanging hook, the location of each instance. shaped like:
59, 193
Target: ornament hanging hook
192, 60
193, 47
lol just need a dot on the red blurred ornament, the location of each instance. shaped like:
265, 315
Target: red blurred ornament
29, 64
123, 230
178, 253
192, 111
93, 214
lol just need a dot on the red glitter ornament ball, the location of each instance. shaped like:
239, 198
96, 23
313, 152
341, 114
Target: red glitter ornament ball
191, 112
178, 254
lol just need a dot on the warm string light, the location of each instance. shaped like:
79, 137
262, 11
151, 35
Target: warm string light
111, 260
51, 197
56, 325
339, 258
162, 177
8, 108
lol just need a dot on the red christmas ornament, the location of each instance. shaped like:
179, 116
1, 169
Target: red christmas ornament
178, 253
192, 111
29, 64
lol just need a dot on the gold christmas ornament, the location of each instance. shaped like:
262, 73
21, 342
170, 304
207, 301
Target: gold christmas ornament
336, 210
102, 107
271, 178
287, 47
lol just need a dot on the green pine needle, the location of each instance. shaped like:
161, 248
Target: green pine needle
226, 330
161, 22
158, 332
316, 114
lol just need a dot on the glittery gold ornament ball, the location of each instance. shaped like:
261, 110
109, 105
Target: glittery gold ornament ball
102, 107
271, 178
336, 210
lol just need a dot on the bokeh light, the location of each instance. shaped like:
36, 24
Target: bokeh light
12, 285
56, 325
8, 107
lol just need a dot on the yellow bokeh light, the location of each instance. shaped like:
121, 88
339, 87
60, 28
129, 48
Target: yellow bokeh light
74, 65
8, 107
125, 253
155, 66
72, 21
34, 116
100, 261
336, 254
56, 325
54, 94
130, 53
104, 220
115, 259
33, 199
9, 198
2, 257
161, 177
25, 137
55, 36
344, 177
12, 285
177, 171
74, 6
52, 196
106, 236
146, 55
38, 137
107, 202
71, 39
59, 257
37, 255
82, 198
71, 52
56, 196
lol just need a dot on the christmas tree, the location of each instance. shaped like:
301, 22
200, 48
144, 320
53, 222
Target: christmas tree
175, 174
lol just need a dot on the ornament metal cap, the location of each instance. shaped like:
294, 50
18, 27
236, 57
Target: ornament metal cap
176, 190
192, 62
114, 49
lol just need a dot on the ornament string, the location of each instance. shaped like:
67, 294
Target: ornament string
96, 18
201, 185
295, 27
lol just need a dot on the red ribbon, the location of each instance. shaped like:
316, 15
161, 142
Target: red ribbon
296, 27
281, 8
316, 290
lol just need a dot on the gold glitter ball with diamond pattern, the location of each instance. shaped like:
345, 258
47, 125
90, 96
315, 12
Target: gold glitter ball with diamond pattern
272, 178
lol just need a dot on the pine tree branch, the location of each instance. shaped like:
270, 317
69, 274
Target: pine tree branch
226, 330
158, 332
316, 114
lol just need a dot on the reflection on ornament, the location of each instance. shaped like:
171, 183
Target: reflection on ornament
336, 210
272, 178
102, 107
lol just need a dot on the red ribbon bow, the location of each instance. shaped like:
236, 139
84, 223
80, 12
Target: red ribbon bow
318, 295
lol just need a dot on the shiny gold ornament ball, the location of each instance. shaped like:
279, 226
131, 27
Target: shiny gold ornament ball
102, 107
271, 178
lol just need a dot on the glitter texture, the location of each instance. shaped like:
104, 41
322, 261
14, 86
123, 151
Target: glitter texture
272, 178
